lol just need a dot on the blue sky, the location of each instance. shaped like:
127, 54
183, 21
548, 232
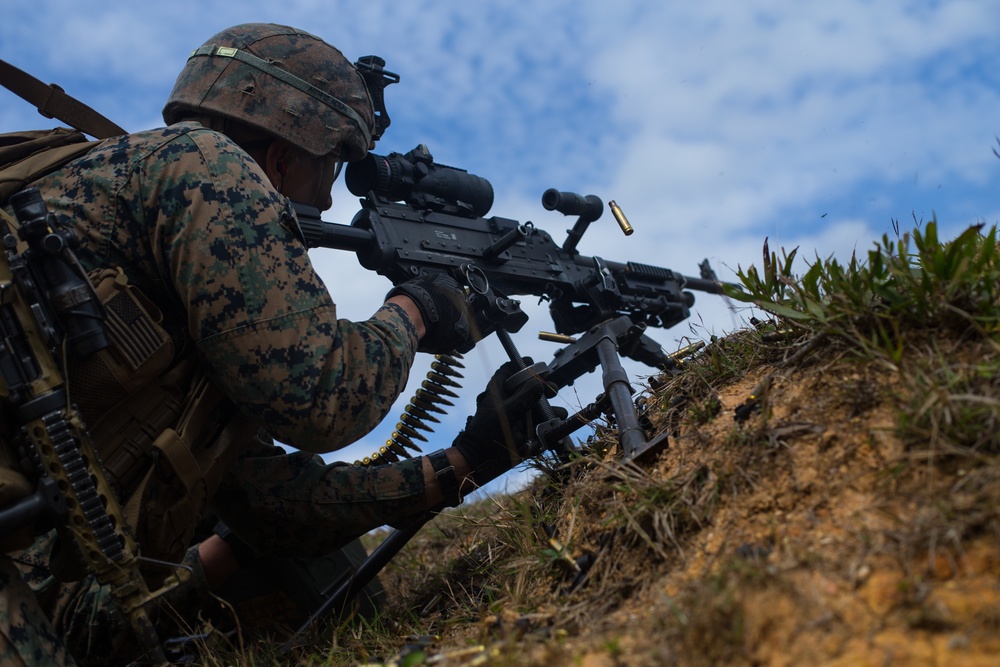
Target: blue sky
714, 124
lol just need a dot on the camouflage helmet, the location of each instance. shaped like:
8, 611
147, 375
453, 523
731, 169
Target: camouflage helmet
283, 81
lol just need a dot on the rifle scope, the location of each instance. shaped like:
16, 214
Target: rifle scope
417, 180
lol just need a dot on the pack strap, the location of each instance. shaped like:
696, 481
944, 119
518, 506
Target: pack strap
52, 102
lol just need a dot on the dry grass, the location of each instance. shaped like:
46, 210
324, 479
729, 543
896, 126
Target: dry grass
830, 495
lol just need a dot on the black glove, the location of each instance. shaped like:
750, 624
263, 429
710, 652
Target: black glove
493, 437
445, 309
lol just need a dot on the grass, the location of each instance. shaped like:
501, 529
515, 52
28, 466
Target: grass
588, 564
900, 291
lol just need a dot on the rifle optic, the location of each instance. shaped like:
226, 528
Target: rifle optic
416, 179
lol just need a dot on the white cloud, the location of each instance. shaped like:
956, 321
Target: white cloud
713, 124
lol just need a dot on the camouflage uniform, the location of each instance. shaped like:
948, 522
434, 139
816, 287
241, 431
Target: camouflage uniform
197, 227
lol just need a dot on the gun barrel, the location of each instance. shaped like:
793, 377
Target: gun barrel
702, 285
341, 237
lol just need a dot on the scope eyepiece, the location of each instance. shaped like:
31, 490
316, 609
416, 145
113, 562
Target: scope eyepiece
31, 213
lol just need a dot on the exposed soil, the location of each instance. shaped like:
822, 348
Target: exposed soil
814, 532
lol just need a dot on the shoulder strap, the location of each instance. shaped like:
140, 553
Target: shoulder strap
29, 155
52, 102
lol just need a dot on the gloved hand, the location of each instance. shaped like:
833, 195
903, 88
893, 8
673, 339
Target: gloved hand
445, 309
493, 437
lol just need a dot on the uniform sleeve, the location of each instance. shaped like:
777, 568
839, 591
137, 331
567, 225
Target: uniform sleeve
261, 319
293, 504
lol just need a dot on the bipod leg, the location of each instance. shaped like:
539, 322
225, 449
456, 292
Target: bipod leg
619, 392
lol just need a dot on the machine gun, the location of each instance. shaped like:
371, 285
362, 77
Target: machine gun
418, 216
48, 310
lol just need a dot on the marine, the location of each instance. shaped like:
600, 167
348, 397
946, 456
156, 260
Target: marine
226, 339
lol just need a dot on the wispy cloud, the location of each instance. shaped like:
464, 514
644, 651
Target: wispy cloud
713, 124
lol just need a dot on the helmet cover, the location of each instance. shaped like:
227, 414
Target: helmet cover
283, 81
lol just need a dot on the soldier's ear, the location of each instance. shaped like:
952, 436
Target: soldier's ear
276, 159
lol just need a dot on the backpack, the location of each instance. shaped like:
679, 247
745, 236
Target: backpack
31, 154
28, 155
180, 419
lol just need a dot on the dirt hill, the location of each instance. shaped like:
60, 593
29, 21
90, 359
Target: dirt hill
828, 495
812, 532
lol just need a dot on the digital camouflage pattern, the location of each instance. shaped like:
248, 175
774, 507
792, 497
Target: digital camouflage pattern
85, 618
222, 85
295, 495
28, 638
197, 227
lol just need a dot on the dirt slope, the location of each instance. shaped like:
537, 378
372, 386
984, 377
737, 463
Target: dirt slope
830, 526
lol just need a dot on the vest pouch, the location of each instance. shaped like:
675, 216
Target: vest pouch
29, 155
14, 487
189, 461
140, 348
173, 499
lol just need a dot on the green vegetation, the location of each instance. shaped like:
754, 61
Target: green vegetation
898, 293
939, 300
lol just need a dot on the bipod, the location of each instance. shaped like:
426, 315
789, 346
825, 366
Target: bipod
599, 346
602, 345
